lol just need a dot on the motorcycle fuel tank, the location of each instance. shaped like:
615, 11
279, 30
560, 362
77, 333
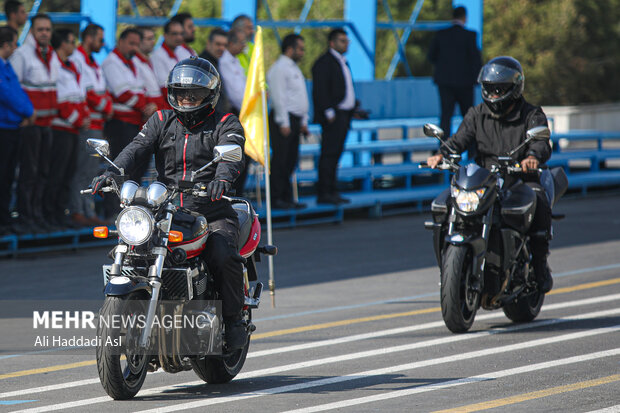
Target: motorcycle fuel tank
193, 226
518, 207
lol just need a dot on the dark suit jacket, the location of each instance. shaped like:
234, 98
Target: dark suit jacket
328, 87
456, 57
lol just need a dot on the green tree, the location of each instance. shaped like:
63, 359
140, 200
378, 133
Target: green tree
568, 48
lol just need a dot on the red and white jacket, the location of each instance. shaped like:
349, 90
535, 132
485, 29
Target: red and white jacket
163, 60
98, 98
38, 78
152, 93
72, 106
184, 51
126, 88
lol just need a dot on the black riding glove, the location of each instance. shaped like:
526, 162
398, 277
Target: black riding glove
216, 189
100, 181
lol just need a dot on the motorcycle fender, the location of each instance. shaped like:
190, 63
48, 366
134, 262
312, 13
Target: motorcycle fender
477, 244
119, 286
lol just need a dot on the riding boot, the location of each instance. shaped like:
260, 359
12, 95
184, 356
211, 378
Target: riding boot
235, 333
543, 274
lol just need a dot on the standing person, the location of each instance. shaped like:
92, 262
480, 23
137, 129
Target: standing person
334, 101
184, 50
233, 80
288, 119
16, 15
214, 49
498, 125
15, 110
164, 58
153, 92
129, 103
36, 66
73, 115
99, 103
456, 57
246, 25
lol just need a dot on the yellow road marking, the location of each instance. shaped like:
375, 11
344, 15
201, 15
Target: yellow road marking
48, 369
533, 395
344, 323
310, 328
584, 286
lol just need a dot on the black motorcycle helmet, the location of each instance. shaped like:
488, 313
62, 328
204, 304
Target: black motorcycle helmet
502, 83
195, 81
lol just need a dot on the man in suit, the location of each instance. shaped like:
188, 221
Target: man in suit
456, 57
334, 101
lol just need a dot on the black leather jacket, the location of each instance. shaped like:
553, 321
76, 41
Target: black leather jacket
179, 150
496, 137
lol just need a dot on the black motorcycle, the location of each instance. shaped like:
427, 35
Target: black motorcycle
161, 305
481, 236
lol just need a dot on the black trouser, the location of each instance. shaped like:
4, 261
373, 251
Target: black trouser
284, 155
34, 168
540, 223
332, 144
220, 255
62, 167
9, 138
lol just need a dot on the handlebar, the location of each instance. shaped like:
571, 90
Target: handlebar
443, 165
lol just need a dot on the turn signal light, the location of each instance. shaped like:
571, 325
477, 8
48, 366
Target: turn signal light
175, 236
100, 232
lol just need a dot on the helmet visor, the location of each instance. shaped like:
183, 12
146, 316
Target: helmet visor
189, 98
498, 73
191, 77
494, 91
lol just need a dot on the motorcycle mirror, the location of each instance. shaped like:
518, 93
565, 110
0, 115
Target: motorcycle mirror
100, 145
103, 148
228, 153
539, 133
433, 131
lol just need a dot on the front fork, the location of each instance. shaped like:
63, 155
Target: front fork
155, 271
478, 244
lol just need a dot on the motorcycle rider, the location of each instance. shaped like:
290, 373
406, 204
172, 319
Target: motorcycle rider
182, 140
498, 125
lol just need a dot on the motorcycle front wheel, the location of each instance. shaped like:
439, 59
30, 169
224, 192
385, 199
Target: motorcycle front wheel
459, 302
122, 367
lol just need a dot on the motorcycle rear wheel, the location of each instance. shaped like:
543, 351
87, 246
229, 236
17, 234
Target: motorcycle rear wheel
121, 377
222, 369
525, 308
458, 302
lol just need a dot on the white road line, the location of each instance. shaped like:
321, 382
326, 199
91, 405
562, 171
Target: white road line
341, 340
612, 409
458, 382
364, 354
383, 371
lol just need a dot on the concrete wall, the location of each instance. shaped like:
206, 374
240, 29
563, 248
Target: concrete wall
600, 117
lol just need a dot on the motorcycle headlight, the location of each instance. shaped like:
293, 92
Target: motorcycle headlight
135, 225
467, 201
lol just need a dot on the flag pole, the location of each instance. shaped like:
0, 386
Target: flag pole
272, 282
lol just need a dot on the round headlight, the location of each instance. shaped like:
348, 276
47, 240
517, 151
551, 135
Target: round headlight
135, 225
467, 201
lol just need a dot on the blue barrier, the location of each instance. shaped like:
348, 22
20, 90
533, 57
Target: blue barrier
410, 188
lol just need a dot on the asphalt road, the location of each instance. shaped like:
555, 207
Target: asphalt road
357, 328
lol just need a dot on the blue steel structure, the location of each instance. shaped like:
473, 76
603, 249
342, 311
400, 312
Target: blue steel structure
360, 20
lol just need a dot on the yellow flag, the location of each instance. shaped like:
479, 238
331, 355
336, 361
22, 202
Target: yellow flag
252, 116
